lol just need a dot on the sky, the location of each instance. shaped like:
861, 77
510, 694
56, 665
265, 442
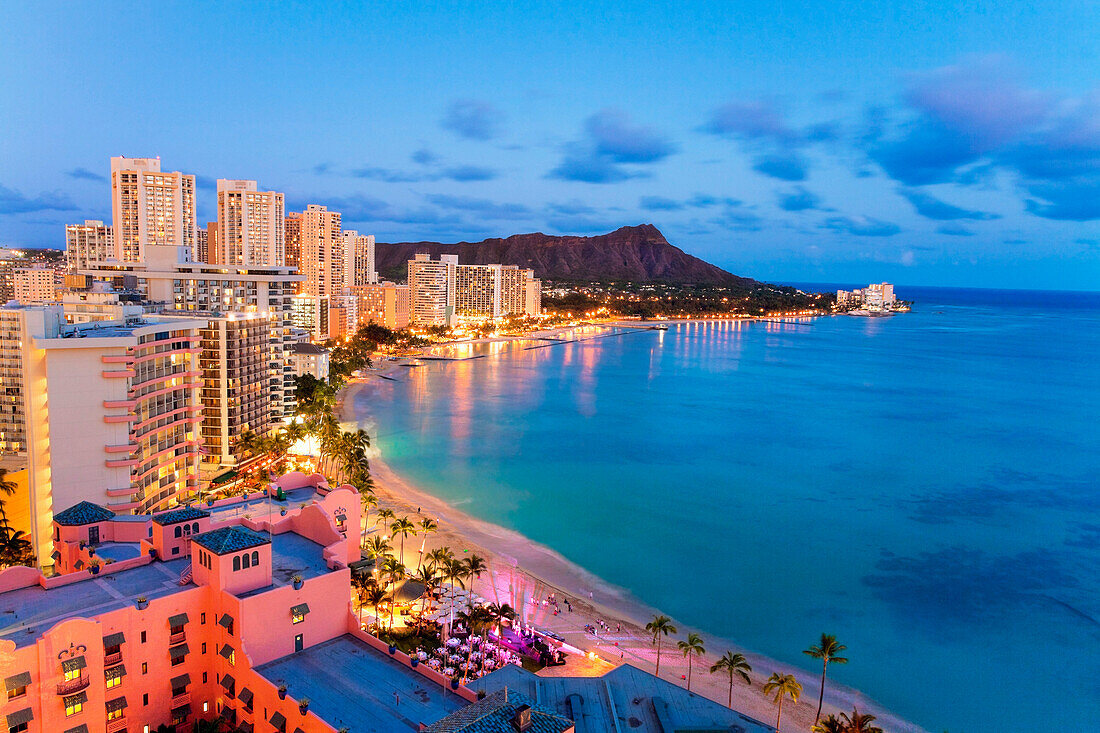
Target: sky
930, 143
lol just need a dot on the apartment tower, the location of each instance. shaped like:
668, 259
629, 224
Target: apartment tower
250, 225
432, 290
88, 242
358, 259
151, 208
322, 252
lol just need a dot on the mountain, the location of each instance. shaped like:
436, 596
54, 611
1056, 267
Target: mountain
638, 254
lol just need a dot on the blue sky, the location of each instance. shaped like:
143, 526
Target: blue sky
920, 142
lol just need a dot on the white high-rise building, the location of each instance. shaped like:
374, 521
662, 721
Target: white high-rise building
88, 242
358, 259
250, 225
432, 290
490, 292
151, 208
322, 252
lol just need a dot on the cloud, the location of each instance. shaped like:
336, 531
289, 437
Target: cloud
786, 166
387, 175
757, 119
464, 173
954, 230
1071, 201
659, 203
473, 119
423, 156
800, 199
14, 202
366, 209
483, 208
609, 142
571, 208
322, 168
931, 207
83, 174
703, 201
862, 226
579, 224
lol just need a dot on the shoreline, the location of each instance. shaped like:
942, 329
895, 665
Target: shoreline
521, 570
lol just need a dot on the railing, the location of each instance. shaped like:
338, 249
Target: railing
68, 687
114, 726
183, 698
177, 638
112, 659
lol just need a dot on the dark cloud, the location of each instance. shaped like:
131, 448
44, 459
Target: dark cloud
800, 199
14, 202
659, 203
610, 143
322, 168
786, 166
571, 208
931, 207
483, 208
738, 218
954, 230
863, 226
424, 157
703, 201
83, 174
463, 173
473, 119
1077, 200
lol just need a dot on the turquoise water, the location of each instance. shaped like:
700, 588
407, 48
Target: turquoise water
923, 486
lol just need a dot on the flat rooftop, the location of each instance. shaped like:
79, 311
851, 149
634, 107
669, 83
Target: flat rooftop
350, 684
292, 554
118, 550
27, 613
260, 508
626, 698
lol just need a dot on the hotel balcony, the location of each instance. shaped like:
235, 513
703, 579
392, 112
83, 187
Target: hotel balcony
116, 725
123, 404
127, 448
68, 687
110, 660
122, 374
181, 699
177, 638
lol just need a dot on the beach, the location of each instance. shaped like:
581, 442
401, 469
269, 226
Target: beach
525, 573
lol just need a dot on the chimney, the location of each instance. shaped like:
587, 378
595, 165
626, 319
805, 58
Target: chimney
522, 719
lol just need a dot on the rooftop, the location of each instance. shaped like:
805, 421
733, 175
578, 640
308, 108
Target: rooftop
180, 515
496, 713
83, 513
307, 348
350, 684
292, 554
27, 613
224, 540
625, 698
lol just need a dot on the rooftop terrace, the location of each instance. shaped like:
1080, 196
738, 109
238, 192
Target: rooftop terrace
27, 613
350, 684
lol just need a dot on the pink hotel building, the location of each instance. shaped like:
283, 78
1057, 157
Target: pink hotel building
237, 613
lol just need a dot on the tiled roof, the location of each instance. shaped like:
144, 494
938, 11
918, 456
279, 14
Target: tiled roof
302, 347
180, 515
83, 513
495, 713
230, 539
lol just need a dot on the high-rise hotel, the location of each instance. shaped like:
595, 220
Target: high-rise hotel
250, 225
151, 208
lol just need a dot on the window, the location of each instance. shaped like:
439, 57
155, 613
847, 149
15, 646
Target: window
204, 678
202, 618
17, 692
237, 563
74, 704
142, 637
256, 557
195, 528
179, 531
204, 647
145, 701
297, 617
114, 676
145, 667
18, 728
245, 563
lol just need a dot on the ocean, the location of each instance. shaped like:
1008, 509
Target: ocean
923, 486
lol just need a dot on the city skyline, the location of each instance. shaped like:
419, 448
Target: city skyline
841, 146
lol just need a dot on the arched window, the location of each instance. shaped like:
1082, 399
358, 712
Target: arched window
195, 527
179, 531
256, 557
245, 563
186, 529
237, 562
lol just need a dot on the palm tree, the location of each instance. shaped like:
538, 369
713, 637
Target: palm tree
859, 722
362, 583
375, 596
827, 650
377, 547
693, 647
498, 612
441, 556
735, 665
474, 567
394, 569
429, 578
247, 442
7, 486
829, 724
453, 570
427, 526
783, 686
384, 515
660, 626
403, 527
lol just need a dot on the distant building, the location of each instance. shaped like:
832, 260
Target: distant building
99, 303
87, 242
875, 295
432, 290
310, 359
292, 229
35, 285
213, 250
358, 259
310, 313
250, 225
322, 256
491, 292
151, 208
202, 244
386, 304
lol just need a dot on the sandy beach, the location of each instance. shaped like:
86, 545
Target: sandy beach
523, 574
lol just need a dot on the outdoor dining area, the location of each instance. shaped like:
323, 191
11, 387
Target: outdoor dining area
469, 658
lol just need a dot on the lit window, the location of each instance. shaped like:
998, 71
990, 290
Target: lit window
74, 704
